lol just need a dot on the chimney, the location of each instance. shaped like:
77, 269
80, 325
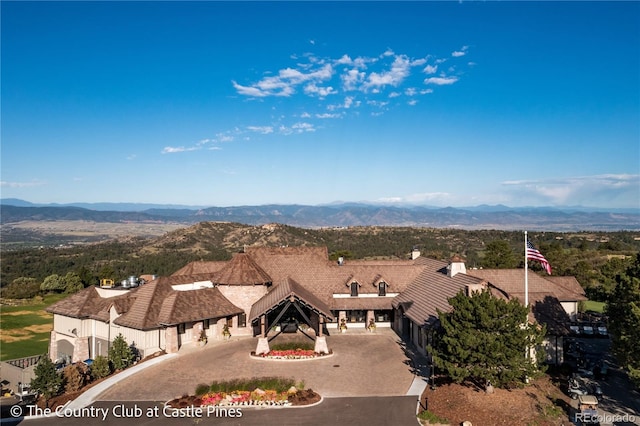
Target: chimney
456, 265
415, 253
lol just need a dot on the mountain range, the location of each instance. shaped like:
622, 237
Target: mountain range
335, 215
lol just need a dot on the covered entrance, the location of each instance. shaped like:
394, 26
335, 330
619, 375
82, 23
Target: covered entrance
289, 308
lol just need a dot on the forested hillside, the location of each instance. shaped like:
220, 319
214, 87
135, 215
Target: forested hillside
593, 257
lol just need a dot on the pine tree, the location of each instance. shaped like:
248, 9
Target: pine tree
47, 381
120, 354
623, 309
485, 339
100, 367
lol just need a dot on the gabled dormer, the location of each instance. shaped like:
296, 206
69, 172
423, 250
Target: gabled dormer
381, 284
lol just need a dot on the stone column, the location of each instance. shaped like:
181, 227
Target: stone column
321, 345
197, 329
320, 325
171, 339
53, 346
263, 325
263, 346
80, 349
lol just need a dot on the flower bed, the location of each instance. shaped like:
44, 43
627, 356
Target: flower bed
258, 398
291, 354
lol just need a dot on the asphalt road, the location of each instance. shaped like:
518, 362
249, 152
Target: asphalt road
356, 411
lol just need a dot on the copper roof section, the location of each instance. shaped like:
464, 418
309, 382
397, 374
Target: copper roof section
241, 270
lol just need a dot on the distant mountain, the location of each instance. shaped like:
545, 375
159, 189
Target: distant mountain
338, 215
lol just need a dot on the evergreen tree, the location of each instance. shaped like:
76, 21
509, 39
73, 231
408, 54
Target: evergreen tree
47, 381
499, 255
623, 309
120, 354
100, 367
486, 339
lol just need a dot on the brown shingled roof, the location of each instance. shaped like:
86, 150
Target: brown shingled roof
512, 282
143, 314
283, 291
241, 270
195, 305
430, 293
88, 303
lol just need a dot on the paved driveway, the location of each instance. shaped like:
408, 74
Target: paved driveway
362, 365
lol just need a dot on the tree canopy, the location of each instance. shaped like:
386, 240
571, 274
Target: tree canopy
499, 255
485, 339
623, 309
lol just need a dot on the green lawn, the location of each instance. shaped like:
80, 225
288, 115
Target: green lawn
26, 329
592, 305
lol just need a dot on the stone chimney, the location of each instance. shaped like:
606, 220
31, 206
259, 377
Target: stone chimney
456, 265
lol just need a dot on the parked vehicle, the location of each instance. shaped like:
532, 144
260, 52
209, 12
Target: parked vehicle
576, 389
587, 331
602, 331
588, 410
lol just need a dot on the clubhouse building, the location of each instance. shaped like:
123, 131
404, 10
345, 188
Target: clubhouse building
267, 290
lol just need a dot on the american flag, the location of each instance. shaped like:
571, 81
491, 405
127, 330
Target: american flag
534, 254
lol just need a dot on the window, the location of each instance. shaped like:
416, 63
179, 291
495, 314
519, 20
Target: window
354, 289
229, 322
205, 324
242, 320
382, 288
181, 328
383, 315
356, 316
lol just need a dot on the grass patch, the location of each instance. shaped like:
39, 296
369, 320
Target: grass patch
592, 305
279, 384
292, 346
432, 418
26, 328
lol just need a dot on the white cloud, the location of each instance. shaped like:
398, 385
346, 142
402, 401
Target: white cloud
265, 130
461, 52
131, 157
418, 198
430, 69
175, 149
396, 75
313, 89
412, 102
606, 189
303, 127
327, 115
441, 81
411, 91
351, 79
22, 184
394, 94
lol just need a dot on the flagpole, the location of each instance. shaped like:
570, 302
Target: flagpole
526, 273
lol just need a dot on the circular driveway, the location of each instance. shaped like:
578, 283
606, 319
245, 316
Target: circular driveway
362, 365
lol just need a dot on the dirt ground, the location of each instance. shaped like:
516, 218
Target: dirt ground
541, 403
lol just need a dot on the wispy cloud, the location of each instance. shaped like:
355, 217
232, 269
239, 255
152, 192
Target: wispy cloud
418, 198
621, 189
176, 149
22, 184
265, 130
441, 81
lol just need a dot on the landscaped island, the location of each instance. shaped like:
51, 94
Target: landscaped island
255, 392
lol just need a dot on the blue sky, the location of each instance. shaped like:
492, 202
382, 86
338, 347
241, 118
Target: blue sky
221, 104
